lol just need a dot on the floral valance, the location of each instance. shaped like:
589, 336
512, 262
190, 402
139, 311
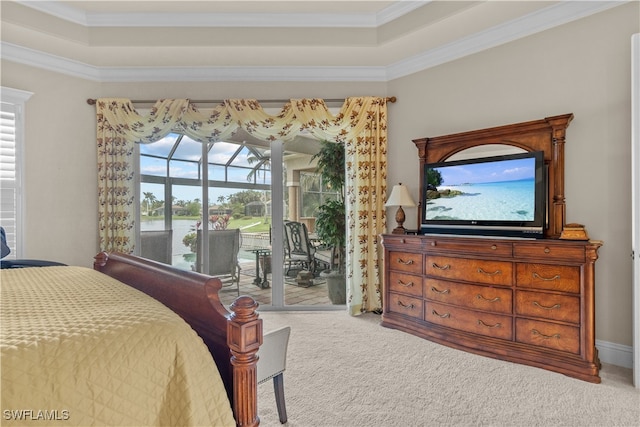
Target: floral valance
361, 124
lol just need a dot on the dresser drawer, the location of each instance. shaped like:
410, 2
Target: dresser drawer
549, 251
405, 261
550, 335
469, 270
485, 298
492, 325
405, 283
563, 278
548, 306
406, 305
469, 246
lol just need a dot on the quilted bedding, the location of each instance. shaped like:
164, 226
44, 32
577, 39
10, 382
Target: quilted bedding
81, 348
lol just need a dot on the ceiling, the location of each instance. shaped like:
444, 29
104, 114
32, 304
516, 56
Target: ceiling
266, 40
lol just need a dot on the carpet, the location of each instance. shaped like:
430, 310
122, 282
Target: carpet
350, 371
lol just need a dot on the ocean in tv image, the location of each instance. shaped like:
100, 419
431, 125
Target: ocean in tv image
492, 191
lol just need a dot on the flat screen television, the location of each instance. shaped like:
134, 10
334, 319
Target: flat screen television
490, 196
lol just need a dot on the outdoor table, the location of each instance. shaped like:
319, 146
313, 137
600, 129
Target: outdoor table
258, 281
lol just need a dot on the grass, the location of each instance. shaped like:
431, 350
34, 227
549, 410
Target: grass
249, 224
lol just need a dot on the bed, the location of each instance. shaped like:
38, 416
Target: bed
102, 353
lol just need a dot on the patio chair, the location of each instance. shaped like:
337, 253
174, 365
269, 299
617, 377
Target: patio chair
298, 250
224, 246
157, 245
272, 362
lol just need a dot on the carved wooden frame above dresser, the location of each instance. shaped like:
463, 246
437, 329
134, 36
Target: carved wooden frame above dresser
525, 301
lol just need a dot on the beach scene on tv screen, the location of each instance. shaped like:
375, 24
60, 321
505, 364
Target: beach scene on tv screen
492, 191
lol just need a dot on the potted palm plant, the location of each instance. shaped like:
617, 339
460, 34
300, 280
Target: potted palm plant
331, 218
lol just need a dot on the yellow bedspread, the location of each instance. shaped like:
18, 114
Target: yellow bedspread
80, 348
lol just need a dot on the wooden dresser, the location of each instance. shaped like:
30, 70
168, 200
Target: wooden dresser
525, 301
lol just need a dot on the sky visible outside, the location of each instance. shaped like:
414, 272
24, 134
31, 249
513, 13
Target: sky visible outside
191, 150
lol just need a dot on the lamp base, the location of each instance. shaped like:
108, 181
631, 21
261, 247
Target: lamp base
399, 230
399, 220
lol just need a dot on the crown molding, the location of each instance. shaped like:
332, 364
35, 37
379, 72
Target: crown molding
544, 19
541, 20
14, 96
38, 59
35, 58
225, 20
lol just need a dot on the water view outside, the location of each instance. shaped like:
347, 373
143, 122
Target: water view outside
182, 257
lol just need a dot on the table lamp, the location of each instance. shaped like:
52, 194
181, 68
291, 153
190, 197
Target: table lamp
399, 197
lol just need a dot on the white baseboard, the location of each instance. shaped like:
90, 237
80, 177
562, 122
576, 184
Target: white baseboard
615, 354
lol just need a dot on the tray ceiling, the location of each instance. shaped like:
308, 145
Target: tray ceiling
267, 40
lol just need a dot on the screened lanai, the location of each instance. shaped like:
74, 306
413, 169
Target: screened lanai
181, 199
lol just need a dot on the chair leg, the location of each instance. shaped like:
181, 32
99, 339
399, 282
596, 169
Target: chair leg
278, 388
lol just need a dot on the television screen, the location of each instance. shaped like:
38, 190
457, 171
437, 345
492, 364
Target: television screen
500, 195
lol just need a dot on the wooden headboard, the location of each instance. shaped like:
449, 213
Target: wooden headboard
233, 338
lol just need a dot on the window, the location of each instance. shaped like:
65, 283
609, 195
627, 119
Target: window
11, 170
189, 189
172, 193
314, 193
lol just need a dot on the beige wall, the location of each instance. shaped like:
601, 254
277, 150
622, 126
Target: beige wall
61, 173
581, 68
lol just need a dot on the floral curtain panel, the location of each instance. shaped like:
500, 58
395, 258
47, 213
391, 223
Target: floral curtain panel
361, 125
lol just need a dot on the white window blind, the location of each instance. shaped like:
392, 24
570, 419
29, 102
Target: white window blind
11, 179
8, 183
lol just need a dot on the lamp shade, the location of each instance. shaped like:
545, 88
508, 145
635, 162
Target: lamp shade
400, 197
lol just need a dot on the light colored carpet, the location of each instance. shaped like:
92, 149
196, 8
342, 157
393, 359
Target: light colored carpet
345, 371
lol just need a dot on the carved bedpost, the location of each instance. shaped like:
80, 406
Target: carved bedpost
100, 260
244, 337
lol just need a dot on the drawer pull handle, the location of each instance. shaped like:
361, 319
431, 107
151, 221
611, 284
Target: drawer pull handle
494, 247
548, 279
547, 250
438, 291
546, 337
444, 316
497, 325
444, 267
480, 270
410, 306
553, 307
401, 261
406, 285
496, 299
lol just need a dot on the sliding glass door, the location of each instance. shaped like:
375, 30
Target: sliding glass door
243, 184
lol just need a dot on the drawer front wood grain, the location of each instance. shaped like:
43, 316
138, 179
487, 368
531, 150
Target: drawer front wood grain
406, 305
550, 335
409, 262
548, 306
469, 246
470, 270
527, 301
549, 251
564, 278
487, 324
486, 298
405, 283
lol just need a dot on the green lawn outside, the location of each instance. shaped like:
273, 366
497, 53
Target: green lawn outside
248, 224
